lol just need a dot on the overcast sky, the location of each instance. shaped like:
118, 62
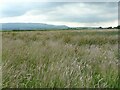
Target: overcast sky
75, 14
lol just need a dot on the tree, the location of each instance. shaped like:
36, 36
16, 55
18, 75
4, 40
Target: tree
118, 27
100, 27
109, 28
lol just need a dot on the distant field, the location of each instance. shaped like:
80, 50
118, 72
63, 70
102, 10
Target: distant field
64, 59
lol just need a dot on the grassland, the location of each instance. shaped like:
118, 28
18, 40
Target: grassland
62, 59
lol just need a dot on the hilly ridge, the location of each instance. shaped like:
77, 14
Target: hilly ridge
31, 26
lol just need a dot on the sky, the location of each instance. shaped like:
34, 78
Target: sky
72, 13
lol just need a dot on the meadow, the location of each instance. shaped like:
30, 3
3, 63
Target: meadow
60, 59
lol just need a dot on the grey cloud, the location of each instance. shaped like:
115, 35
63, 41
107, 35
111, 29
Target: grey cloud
102, 10
49, 9
82, 19
17, 9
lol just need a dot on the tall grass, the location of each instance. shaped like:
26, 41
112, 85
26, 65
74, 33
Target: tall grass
69, 59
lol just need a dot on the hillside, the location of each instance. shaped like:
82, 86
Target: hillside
30, 26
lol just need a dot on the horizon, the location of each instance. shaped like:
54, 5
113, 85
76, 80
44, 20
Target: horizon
71, 14
60, 25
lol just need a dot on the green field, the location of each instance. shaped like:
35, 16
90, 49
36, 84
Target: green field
64, 59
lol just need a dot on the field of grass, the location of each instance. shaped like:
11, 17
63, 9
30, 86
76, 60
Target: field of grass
61, 59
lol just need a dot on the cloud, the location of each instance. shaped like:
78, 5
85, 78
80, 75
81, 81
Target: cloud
67, 13
85, 12
19, 8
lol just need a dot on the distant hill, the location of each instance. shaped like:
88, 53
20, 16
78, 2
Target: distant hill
42, 26
30, 26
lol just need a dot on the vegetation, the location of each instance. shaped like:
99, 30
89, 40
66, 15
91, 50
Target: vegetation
65, 59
